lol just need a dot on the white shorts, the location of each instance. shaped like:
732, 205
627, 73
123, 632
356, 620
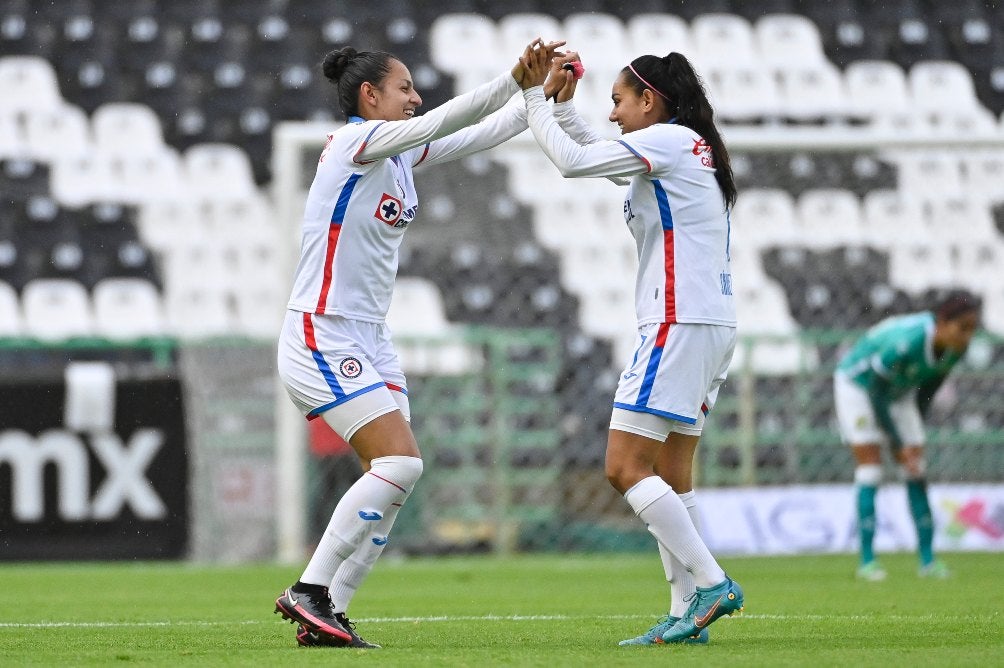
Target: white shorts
673, 381
347, 367
856, 417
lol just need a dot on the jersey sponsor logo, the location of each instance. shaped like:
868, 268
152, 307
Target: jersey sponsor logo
350, 367
389, 209
703, 149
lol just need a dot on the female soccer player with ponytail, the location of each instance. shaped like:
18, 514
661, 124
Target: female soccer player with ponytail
677, 209
335, 355
882, 388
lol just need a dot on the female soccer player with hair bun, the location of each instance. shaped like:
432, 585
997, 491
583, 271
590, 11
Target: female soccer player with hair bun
677, 208
882, 389
335, 354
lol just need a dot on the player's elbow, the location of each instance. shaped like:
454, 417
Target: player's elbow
572, 171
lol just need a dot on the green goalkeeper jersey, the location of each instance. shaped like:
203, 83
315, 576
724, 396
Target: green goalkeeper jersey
894, 358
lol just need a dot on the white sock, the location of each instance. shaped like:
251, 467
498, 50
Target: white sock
355, 569
667, 519
683, 580
389, 481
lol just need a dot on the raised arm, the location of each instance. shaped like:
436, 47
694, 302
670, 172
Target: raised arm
395, 137
500, 126
600, 158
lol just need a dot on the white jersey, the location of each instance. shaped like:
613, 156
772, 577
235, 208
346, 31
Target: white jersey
674, 209
363, 197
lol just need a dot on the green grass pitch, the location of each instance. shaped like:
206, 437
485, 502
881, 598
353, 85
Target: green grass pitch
553, 610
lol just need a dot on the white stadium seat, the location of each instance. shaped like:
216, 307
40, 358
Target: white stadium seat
195, 313
658, 35
56, 309
79, 180
767, 215
127, 129
830, 217
786, 39
811, 93
424, 339
742, 94
600, 38
28, 84
57, 133
934, 82
722, 40
877, 87
515, 31
126, 309
469, 33
218, 171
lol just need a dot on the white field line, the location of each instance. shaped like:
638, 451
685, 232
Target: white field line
460, 618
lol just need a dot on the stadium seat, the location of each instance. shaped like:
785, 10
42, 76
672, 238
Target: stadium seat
933, 82
515, 31
594, 34
56, 310
783, 39
769, 214
259, 310
473, 32
150, 178
762, 310
219, 171
877, 87
127, 129
984, 175
889, 216
813, 93
928, 174
425, 340
915, 266
10, 310
54, 134
829, 217
743, 94
722, 40
28, 84
658, 34
127, 309
83, 179
195, 312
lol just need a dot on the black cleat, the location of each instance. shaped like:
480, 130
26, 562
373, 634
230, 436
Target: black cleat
312, 609
308, 638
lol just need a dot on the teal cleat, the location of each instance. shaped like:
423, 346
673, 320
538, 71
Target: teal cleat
936, 570
871, 572
654, 635
707, 605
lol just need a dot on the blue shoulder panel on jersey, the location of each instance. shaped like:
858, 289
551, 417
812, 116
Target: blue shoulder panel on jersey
338, 215
664, 211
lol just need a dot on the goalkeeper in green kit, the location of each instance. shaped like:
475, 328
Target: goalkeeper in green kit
883, 387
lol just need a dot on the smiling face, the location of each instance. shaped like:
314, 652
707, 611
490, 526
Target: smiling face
395, 99
632, 111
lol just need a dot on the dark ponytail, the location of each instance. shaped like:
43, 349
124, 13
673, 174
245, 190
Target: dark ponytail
348, 69
674, 80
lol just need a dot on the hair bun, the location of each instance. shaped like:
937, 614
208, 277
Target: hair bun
336, 62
